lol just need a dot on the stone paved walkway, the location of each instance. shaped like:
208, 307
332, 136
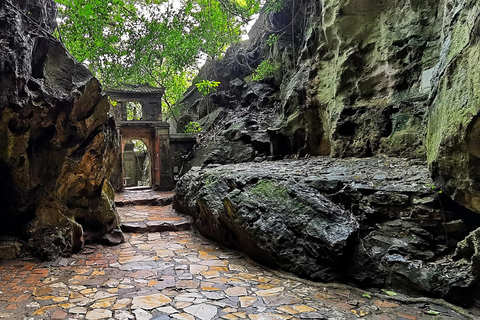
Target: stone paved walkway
178, 275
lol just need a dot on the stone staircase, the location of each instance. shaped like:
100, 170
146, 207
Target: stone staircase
149, 211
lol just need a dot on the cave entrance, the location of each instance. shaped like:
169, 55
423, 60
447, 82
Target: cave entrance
137, 164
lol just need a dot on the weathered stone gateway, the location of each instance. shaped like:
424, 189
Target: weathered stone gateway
143, 121
387, 92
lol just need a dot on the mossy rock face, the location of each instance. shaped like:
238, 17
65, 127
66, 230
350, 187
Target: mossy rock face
453, 123
57, 142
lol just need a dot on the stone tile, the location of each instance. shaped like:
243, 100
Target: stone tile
104, 303
287, 309
58, 315
236, 291
385, 304
150, 302
269, 292
123, 315
202, 311
167, 310
182, 316
304, 308
78, 310
268, 316
141, 314
96, 314
246, 301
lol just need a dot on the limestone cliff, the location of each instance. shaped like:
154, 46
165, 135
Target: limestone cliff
346, 78
57, 141
351, 78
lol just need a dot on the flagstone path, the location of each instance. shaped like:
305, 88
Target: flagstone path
177, 275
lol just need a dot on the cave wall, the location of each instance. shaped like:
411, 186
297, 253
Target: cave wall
57, 141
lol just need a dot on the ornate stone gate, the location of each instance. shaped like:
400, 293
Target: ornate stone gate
138, 115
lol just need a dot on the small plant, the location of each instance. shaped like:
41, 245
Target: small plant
193, 127
206, 86
274, 6
265, 70
273, 38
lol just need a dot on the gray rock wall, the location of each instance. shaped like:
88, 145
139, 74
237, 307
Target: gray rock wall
57, 141
352, 78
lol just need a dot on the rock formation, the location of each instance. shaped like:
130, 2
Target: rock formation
354, 78
373, 221
57, 141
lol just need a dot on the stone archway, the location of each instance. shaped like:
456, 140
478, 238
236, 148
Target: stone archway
137, 168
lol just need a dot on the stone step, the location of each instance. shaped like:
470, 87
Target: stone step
156, 226
141, 219
158, 201
147, 197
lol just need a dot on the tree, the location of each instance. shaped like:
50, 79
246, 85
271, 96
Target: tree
159, 42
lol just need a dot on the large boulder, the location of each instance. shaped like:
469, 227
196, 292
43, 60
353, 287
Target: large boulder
373, 222
57, 142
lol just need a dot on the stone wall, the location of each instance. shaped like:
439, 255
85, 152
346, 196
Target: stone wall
57, 142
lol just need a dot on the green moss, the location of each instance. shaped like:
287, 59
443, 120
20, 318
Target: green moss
457, 101
399, 121
269, 190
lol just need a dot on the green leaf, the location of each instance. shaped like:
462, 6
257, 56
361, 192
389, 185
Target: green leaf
390, 293
432, 313
366, 295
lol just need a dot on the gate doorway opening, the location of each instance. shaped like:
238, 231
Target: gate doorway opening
137, 165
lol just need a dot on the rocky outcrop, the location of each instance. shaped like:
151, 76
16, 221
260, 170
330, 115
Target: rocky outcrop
57, 142
352, 78
373, 222
349, 78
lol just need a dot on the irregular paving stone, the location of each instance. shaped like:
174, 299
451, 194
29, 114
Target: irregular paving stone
247, 301
202, 311
236, 291
182, 316
141, 314
58, 315
150, 302
123, 315
96, 314
167, 310
78, 310
268, 316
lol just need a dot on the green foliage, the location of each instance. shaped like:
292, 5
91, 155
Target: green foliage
273, 38
274, 6
367, 295
134, 111
265, 70
206, 86
159, 42
139, 146
193, 127
390, 293
432, 312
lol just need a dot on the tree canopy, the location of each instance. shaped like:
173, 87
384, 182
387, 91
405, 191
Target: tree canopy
159, 42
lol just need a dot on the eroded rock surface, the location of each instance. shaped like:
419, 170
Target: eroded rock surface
56, 139
352, 78
373, 221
